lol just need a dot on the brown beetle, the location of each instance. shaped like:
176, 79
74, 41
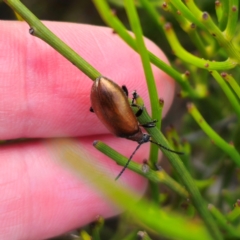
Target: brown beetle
111, 105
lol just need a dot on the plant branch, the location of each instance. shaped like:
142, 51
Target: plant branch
38, 29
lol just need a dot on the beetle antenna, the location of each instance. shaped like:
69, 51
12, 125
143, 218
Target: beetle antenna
127, 163
170, 150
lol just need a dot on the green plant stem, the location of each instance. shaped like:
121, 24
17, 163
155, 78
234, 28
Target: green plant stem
192, 17
222, 8
141, 48
223, 223
205, 183
191, 30
232, 82
193, 8
227, 45
219, 10
235, 213
232, 19
118, 27
97, 227
154, 188
208, 24
218, 141
197, 41
180, 52
154, 99
184, 176
228, 92
41, 31
174, 140
142, 169
184, 23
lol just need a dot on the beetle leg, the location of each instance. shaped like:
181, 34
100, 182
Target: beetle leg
139, 112
124, 88
91, 109
149, 124
140, 108
134, 97
128, 161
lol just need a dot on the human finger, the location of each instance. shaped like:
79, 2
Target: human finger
44, 95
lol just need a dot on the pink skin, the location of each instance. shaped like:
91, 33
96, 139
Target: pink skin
45, 96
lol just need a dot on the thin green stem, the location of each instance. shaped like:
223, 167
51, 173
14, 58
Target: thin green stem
174, 140
97, 227
219, 10
232, 82
187, 89
142, 169
193, 7
184, 176
186, 12
184, 23
227, 45
38, 29
142, 50
197, 41
152, 13
235, 213
231, 97
180, 52
206, 20
208, 24
154, 188
232, 19
217, 140
223, 223
222, 12
205, 183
